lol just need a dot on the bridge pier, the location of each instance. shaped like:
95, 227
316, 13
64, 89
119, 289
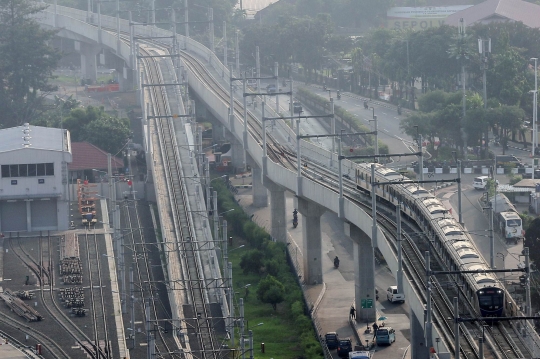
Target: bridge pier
89, 60
277, 211
418, 345
364, 274
311, 232
259, 192
237, 153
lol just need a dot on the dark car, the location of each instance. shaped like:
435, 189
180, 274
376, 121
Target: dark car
297, 107
344, 348
271, 88
332, 340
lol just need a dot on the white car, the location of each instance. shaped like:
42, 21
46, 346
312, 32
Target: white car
393, 295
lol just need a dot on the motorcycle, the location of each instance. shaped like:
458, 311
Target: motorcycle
366, 105
324, 87
399, 110
338, 95
336, 262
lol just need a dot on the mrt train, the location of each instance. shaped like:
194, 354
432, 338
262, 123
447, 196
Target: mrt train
454, 245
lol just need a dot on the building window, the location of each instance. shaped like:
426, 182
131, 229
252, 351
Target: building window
14, 170
28, 170
41, 169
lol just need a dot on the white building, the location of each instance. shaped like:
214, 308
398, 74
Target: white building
33, 178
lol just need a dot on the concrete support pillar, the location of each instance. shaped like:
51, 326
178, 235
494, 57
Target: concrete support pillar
364, 274
418, 347
126, 83
277, 211
311, 232
237, 153
89, 61
260, 194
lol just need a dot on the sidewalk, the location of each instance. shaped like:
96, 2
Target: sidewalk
330, 301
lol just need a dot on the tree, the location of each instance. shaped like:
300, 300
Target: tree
252, 261
532, 240
26, 63
109, 133
271, 291
92, 124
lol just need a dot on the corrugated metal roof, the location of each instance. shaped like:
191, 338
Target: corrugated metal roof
498, 10
37, 137
86, 156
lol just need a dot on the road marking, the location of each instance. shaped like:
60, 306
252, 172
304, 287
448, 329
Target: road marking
384, 113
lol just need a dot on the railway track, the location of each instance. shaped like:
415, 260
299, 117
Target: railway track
149, 289
49, 346
200, 319
98, 310
501, 343
48, 298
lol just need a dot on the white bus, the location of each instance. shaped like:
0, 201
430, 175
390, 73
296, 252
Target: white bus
511, 226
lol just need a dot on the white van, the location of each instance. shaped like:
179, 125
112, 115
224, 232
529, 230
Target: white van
480, 182
393, 295
360, 355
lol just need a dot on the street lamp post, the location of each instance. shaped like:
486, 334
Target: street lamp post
376, 146
499, 254
535, 112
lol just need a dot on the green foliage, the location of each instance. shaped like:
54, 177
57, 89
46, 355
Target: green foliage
532, 240
92, 124
271, 291
274, 263
26, 63
252, 261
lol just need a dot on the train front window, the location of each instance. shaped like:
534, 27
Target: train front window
513, 223
485, 300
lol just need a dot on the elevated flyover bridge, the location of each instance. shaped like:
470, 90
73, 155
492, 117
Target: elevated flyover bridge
315, 185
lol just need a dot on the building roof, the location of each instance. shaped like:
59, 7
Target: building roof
35, 137
527, 183
498, 11
86, 156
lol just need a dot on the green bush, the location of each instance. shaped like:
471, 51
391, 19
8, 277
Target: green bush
272, 257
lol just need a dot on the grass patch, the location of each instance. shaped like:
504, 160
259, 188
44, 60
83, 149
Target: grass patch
278, 333
287, 332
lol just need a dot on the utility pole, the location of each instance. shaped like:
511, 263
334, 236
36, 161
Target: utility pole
258, 67
461, 30
535, 112
132, 302
237, 52
485, 50
186, 19
421, 165
400, 258
225, 62
428, 329
456, 328
211, 28
491, 239
527, 282
276, 70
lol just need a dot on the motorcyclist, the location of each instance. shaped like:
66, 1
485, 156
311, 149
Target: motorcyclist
399, 109
338, 95
336, 262
324, 86
365, 105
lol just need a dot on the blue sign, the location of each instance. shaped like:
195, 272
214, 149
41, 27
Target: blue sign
13, 182
41, 180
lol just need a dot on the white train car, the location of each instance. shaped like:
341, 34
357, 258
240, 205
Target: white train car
454, 246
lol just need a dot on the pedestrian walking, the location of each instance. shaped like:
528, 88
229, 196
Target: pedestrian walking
352, 312
375, 328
